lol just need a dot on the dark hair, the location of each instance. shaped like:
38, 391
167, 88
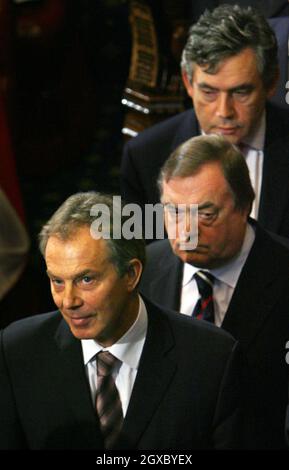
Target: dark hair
79, 210
190, 156
225, 32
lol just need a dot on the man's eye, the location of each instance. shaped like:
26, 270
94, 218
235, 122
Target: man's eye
206, 215
87, 280
241, 94
210, 94
57, 282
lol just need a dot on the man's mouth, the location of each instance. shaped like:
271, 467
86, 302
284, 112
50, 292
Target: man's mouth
227, 130
80, 321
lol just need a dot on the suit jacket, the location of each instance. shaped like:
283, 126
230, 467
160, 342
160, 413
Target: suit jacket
287, 426
257, 316
145, 154
175, 404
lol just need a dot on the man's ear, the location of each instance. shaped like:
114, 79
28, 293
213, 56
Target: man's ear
134, 273
188, 84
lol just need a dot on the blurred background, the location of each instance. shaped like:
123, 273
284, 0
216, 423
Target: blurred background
77, 78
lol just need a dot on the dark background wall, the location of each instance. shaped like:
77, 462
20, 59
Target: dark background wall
70, 62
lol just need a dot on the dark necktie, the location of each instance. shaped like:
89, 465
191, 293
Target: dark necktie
204, 308
108, 405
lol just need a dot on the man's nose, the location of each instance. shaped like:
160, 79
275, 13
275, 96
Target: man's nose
71, 299
225, 106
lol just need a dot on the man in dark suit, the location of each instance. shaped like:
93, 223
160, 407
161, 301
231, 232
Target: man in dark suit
175, 383
229, 81
250, 271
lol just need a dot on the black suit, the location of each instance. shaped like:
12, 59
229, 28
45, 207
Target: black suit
145, 154
287, 426
185, 395
258, 316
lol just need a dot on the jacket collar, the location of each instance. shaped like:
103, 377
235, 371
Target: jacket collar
156, 370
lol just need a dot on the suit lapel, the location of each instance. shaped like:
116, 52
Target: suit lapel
166, 285
156, 370
252, 300
71, 379
275, 188
188, 128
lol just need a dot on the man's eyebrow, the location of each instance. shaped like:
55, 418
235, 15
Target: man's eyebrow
206, 205
204, 85
49, 274
77, 275
242, 87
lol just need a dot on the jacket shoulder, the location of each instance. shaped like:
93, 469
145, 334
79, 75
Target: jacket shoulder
159, 248
275, 246
23, 331
162, 131
191, 331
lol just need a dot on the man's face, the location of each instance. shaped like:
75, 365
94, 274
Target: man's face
93, 299
221, 227
231, 101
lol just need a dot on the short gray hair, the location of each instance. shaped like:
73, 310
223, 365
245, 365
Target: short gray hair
75, 213
190, 156
225, 32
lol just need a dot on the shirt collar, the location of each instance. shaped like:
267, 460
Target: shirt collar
257, 139
229, 273
128, 348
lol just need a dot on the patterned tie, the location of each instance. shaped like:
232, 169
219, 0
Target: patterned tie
108, 403
204, 308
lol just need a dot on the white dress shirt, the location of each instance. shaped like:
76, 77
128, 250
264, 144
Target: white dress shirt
254, 156
226, 278
127, 349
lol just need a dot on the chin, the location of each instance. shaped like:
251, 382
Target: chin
79, 333
194, 259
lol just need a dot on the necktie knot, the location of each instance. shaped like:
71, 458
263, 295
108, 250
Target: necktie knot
204, 308
205, 282
105, 363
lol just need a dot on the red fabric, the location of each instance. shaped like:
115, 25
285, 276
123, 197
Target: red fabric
8, 176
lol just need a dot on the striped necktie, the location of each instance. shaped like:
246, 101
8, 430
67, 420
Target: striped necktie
204, 308
108, 405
